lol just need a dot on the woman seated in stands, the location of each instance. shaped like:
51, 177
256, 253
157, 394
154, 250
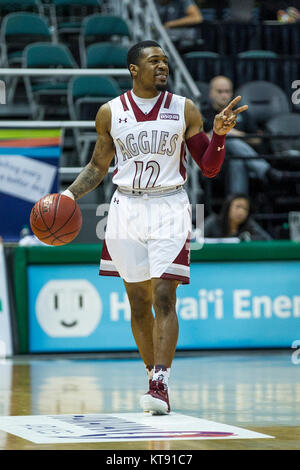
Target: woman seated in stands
234, 220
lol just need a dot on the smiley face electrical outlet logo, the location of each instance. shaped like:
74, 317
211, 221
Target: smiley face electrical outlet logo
68, 308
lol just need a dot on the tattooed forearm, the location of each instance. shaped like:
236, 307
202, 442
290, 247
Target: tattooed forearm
94, 172
89, 178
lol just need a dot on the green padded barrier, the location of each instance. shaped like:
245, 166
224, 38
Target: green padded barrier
90, 254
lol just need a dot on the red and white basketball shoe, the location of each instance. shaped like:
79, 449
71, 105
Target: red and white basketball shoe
156, 401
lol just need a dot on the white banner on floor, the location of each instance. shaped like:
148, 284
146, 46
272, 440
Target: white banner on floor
5, 326
122, 427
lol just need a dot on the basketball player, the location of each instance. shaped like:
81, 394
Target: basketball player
146, 130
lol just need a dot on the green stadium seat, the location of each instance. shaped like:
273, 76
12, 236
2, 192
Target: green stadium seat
85, 95
19, 30
15, 6
48, 93
103, 28
265, 100
108, 55
68, 14
257, 65
285, 124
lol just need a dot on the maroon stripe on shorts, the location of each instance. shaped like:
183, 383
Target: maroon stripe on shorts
183, 256
105, 253
103, 272
175, 277
183, 259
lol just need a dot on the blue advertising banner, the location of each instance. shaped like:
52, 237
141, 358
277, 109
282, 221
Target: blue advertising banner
227, 305
29, 161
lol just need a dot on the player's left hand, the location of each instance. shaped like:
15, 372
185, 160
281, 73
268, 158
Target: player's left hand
226, 119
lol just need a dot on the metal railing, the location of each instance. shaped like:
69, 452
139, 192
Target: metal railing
146, 24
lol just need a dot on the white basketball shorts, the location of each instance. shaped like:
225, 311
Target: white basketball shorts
148, 237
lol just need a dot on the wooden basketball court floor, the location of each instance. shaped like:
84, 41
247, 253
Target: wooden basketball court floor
258, 390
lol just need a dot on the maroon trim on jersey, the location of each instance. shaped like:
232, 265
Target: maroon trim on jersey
116, 164
168, 100
139, 115
123, 101
182, 167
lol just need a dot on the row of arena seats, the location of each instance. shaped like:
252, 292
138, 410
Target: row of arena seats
222, 30
59, 12
64, 17
244, 67
60, 6
47, 96
20, 29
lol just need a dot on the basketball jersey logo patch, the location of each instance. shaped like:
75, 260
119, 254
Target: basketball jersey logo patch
169, 116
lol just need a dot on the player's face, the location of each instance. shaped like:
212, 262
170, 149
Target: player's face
239, 210
153, 68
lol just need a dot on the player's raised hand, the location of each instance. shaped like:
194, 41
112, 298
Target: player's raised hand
226, 119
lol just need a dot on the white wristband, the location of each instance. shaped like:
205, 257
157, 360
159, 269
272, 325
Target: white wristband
68, 193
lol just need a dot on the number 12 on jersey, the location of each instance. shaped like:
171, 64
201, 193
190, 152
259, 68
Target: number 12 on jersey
141, 169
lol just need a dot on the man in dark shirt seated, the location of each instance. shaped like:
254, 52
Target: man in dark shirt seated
220, 94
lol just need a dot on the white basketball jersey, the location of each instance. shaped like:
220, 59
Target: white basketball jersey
150, 148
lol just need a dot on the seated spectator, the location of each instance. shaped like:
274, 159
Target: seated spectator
179, 14
234, 220
220, 94
175, 14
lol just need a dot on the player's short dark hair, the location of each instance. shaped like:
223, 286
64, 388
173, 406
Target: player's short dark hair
135, 51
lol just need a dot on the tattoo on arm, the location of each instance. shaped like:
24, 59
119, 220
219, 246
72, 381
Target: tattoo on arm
89, 178
94, 172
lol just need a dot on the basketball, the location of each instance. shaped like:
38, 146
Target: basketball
56, 219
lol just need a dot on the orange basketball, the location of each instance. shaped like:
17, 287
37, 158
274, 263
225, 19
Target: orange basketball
56, 219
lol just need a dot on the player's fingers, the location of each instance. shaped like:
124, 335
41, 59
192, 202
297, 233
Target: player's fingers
240, 109
231, 117
232, 103
228, 120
